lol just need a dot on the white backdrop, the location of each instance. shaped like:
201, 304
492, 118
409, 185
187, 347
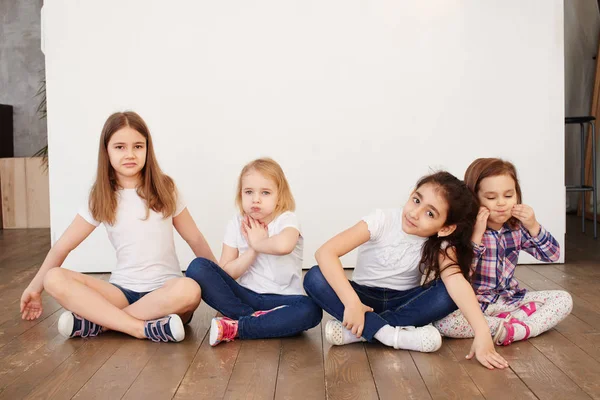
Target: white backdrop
355, 99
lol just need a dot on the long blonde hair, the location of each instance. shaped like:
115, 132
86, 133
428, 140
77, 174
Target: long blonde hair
156, 188
270, 169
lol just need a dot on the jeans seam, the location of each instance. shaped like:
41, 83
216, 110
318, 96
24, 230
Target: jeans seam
413, 299
369, 296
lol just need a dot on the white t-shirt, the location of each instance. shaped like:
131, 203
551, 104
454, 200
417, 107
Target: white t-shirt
270, 273
146, 256
391, 258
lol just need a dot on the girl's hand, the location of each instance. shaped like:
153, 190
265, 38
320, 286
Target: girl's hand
354, 318
525, 214
484, 351
255, 231
31, 304
480, 224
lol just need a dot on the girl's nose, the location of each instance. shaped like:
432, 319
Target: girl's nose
414, 214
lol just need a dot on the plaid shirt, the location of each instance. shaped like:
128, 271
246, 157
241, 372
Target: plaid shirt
495, 260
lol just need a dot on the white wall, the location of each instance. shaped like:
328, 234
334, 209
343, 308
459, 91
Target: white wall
355, 99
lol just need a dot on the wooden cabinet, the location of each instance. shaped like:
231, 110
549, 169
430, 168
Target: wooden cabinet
24, 193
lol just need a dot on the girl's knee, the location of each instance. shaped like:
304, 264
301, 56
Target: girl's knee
314, 281
55, 281
566, 301
310, 312
198, 268
188, 292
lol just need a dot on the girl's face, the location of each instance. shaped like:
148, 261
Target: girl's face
259, 196
425, 212
499, 195
127, 154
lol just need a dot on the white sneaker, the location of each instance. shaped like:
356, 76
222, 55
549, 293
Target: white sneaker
337, 335
425, 339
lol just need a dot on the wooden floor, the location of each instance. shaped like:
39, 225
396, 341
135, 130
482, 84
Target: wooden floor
37, 363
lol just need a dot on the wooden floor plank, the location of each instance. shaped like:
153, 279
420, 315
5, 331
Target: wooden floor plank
47, 359
540, 375
586, 269
301, 374
163, 373
572, 361
347, 371
444, 376
582, 335
254, 375
66, 380
210, 371
394, 372
117, 374
15, 326
497, 384
23, 352
581, 287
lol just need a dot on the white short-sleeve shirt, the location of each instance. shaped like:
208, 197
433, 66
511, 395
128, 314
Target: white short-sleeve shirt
390, 258
270, 273
146, 256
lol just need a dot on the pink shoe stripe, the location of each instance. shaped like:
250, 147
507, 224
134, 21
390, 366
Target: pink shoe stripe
529, 310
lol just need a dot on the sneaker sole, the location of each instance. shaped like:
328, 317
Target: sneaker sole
177, 328
65, 324
214, 332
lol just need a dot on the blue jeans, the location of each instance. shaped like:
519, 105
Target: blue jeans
224, 294
418, 306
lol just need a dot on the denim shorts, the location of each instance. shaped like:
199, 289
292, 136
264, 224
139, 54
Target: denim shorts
130, 295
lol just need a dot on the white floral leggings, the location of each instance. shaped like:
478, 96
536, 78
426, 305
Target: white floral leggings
553, 307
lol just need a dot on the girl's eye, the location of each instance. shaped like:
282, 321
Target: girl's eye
508, 196
430, 214
266, 193
118, 147
416, 200
139, 146
490, 198
248, 192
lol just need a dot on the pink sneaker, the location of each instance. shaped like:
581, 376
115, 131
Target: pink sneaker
222, 329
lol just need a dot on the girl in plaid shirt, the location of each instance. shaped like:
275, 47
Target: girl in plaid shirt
504, 227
